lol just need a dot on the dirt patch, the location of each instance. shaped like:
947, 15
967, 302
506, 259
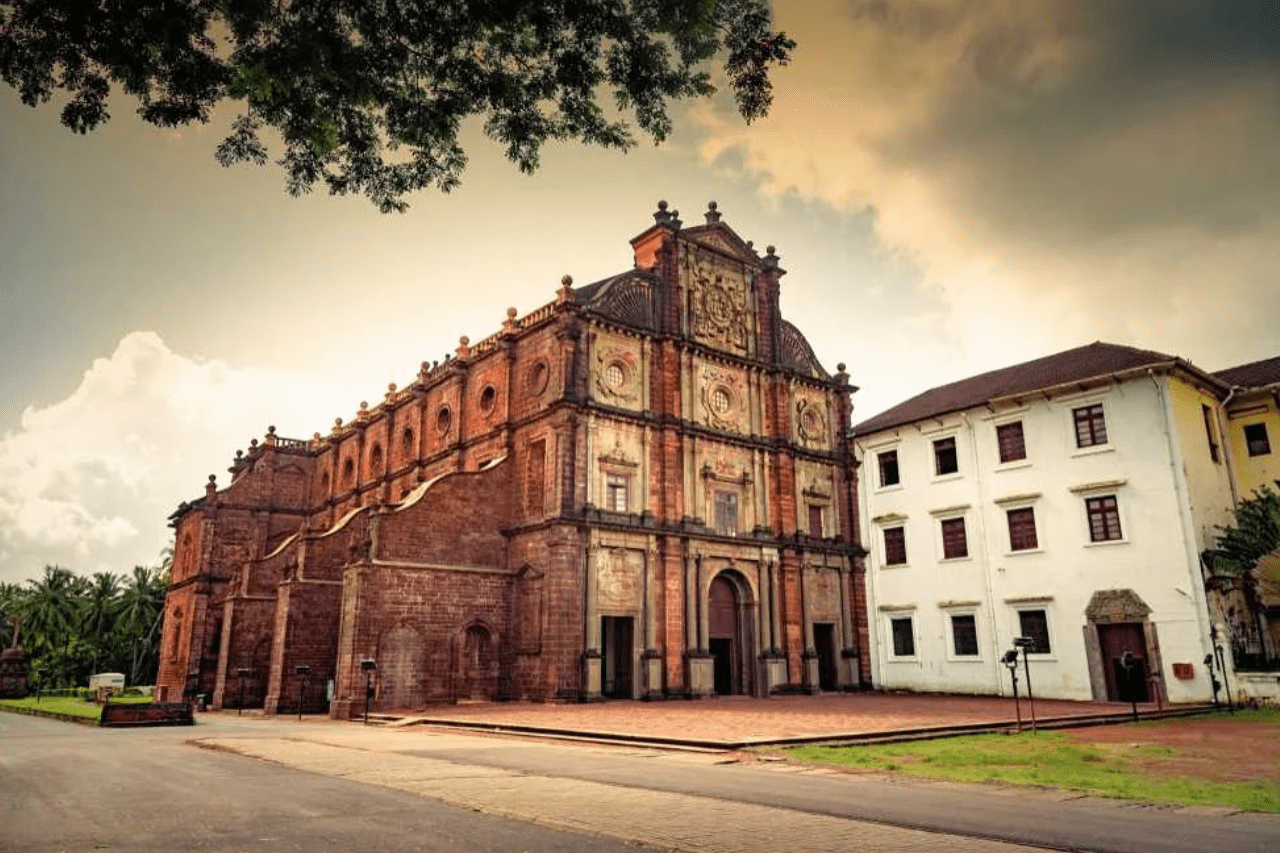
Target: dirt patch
1217, 749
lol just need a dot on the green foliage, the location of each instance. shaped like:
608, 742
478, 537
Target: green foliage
1050, 758
71, 706
1256, 533
74, 626
368, 96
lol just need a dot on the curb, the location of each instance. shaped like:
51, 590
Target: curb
37, 712
830, 738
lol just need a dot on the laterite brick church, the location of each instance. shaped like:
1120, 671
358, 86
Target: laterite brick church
642, 489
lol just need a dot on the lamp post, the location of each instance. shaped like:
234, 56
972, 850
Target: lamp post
1222, 666
242, 673
1010, 660
303, 670
369, 666
1127, 663
1213, 679
1027, 644
39, 674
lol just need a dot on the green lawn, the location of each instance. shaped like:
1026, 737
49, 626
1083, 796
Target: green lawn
70, 706
1052, 758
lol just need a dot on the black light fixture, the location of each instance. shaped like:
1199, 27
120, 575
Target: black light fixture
369, 666
303, 670
1010, 659
1027, 645
1128, 663
39, 674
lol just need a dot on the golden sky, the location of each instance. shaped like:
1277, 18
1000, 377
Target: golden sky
952, 187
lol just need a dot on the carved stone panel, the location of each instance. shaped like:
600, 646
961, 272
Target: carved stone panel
723, 398
719, 307
824, 595
618, 574
616, 373
813, 420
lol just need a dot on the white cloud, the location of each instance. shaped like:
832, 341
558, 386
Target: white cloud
1060, 171
89, 482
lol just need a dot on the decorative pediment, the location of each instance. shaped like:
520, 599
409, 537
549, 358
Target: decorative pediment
1116, 605
617, 455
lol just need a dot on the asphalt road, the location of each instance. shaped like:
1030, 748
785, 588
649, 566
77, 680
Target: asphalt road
321, 786
65, 787
1020, 815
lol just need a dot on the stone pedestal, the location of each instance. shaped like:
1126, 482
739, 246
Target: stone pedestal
809, 660
651, 669
850, 677
591, 676
700, 668
773, 672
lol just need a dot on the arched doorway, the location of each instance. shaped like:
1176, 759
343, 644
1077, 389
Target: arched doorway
728, 633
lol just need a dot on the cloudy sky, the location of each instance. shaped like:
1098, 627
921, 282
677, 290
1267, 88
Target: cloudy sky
952, 187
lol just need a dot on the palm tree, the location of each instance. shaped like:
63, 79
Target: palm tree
49, 614
98, 613
140, 614
11, 601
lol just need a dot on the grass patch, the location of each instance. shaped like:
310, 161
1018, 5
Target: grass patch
1051, 758
71, 706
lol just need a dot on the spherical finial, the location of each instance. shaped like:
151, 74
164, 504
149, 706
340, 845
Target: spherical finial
770, 250
337, 422
213, 478
511, 313
253, 443
711, 205
271, 430
840, 367
364, 404
464, 341
567, 280
662, 205
391, 387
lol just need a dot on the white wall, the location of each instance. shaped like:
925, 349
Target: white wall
1140, 465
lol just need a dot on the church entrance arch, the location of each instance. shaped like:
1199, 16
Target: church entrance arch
729, 633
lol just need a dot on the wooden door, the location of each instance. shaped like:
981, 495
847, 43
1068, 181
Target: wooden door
1114, 640
723, 636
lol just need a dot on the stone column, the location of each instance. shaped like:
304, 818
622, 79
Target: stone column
591, 654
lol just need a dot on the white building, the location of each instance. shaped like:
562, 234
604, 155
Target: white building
1067, 499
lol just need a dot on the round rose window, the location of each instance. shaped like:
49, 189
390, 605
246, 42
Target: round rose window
614, 376
721, 402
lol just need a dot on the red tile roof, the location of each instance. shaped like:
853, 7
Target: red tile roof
1074, 365
1255, 374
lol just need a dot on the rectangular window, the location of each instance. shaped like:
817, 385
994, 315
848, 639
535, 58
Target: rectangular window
1034, 624
1011, 442
944, 457
1255, 436
888, 468
727, 513
904, 639
1209, 432
1091, 425
815, 521
1104, 518
964, 635
895, 546
954, 542
616, 487
1022, 529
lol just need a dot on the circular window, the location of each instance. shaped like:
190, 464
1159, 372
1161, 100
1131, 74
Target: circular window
615, 375
539, 375
443, 419
487, 398
721, 402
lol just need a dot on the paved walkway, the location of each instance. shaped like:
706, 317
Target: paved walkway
656, 818
742, 721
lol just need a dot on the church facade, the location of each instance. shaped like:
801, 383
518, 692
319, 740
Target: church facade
642, 489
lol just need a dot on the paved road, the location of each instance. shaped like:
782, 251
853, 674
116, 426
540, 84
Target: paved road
69, 788
684, 801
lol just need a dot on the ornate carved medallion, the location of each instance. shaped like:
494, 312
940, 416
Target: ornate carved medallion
616, 374
719, 307
811, 421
